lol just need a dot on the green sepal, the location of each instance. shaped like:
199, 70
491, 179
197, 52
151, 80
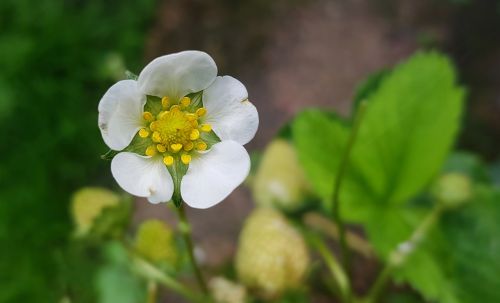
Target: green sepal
153, 104
196, 101
210, 138
177, 171
109, 155
130, 75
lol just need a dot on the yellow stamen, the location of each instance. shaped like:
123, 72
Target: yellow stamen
206, 128
191, 117
153, 126
161, 115
176, 147
185, 158
143, 133
151, 150
156, 137
161, 148
165, 102
201, 111
188, 146
201, 146
195, 134
194, 123
168, 160
185, 101
175, 108
148, 116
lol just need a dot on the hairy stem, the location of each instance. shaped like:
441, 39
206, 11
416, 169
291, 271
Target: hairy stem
185, 230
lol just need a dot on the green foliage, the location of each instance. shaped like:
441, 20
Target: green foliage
458, 262
410, 125
51, 54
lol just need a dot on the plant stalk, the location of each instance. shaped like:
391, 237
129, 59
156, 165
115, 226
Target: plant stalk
185, 230
346, 258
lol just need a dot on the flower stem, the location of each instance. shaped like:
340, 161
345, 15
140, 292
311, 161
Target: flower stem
401, 253
152, 273
185, 229
338, 182
152, 292
333, 265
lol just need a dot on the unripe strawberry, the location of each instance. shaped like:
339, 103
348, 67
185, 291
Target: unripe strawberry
272, 256
87, 205
155, 241
280, 180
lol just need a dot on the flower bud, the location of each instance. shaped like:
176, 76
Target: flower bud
453, 189
155, 241
225, 291
87, 205
272, 256
280, 180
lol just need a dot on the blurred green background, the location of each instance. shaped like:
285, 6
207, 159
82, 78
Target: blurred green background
57, 58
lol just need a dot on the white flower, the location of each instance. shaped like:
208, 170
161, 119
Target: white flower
180, 130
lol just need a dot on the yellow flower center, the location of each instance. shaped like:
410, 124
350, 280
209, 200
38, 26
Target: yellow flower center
175, 131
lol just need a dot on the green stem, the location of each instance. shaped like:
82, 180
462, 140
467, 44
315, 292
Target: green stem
185, 229
401, 253
152, 273
338, 182
333, 265
152, 292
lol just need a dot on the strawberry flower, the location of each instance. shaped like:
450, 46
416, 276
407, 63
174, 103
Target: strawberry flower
179, 130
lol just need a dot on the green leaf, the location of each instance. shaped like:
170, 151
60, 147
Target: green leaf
409, 127
319, 138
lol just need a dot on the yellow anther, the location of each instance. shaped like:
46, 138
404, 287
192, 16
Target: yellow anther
195, 134
176, 147
185, 101
161, 115
185, 158
165, 102
151, 150
188, 146
200, 112
168, 160
148, 116
153, 126
201, 146
156, 137
194, 123
161, 148
206, 128
175, 108
143, 133
191, 117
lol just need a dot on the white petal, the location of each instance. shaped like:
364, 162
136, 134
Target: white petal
213, 175
177, 75
143, 176
120, 114
229, 112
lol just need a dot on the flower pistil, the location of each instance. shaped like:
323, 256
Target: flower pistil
176, 129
